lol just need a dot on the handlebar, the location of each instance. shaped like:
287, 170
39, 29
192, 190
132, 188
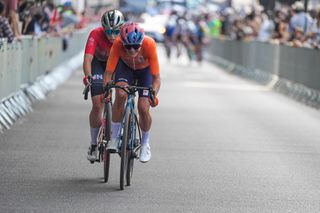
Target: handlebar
87, 88
130, 90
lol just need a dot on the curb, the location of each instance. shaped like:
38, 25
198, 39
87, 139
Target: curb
20, 103
296, 91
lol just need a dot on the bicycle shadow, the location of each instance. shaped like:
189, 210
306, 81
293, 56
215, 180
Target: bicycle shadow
83, 185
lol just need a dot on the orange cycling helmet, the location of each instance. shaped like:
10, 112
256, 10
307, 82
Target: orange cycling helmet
131, 34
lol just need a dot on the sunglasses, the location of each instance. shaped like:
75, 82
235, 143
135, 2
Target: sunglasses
134, 46
110, 32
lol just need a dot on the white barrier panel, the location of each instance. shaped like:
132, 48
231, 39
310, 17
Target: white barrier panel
22, 62
29, 70
293, 71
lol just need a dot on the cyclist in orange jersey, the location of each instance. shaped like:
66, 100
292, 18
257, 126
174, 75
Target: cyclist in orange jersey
133, 58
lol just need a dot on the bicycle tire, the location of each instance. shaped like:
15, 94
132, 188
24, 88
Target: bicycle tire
106, 165
107, 137
130, 167
124, 145
108, 114
131, 153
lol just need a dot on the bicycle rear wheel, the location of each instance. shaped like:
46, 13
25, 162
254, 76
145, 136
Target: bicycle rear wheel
124, 152
107, 137
106, 165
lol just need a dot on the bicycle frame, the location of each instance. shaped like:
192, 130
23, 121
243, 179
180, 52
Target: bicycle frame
129, 143
130, 107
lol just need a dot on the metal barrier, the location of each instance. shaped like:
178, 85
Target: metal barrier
24, 61
299, 65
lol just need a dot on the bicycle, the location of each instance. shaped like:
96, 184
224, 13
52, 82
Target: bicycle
130, 132
104, 134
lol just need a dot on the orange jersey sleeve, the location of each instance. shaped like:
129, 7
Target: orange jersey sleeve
114, 55
151, 47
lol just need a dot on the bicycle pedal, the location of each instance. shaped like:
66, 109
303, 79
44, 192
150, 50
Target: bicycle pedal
134, 155
112, 151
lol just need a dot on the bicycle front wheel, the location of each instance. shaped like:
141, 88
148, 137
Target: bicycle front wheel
124, 146
133, 142
107, 137
131, 157
107, 127
106, 165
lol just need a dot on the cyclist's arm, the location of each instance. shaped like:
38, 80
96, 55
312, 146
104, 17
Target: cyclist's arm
87, 64
113, 60
154, 66
107, 77
89, 53
156, 82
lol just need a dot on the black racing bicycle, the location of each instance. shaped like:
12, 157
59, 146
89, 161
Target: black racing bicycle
130, 133
104, 134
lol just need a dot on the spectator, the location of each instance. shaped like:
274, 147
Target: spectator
84, 20
5, 29
227, 19
11, 8
266, 29
215, 26
254, 20
318, 29
281, 32
300, 20
33, 25
68, 15
55, 20
238, 30
313, 38
26, 12
298, 38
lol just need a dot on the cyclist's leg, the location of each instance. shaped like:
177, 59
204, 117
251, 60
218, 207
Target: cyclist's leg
167, 45
144, 80
95, 117
97, 106
123, 76
145, 120
188, 44
96, 95
178, 46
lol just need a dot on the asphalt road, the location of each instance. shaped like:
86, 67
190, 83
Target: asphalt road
219, 144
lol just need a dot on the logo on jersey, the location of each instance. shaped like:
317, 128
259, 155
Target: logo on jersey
97, 77
123, 79
145, 92
140, 59
90, 41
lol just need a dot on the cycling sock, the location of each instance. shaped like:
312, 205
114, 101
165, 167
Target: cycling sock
145, 138
94, 133
115, 126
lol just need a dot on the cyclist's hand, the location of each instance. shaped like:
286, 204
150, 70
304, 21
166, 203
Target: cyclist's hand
155, 102
108, 98
87, 80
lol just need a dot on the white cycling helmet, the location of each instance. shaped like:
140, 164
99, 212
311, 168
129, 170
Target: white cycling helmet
112, 19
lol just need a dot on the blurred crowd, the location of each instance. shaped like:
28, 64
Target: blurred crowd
38, 18
289, 25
